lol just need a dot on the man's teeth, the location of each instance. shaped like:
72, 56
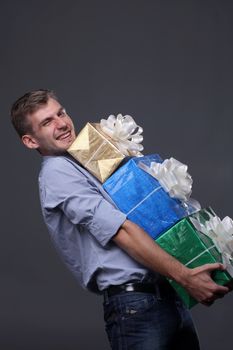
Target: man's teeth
63, 136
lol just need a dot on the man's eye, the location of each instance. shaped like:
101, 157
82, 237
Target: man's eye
62, 113
47, 122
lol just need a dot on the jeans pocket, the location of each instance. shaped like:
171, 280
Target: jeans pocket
135, 305
128, 305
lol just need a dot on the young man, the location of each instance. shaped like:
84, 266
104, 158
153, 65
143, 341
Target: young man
107, 253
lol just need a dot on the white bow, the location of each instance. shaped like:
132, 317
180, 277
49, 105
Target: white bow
221, 232
172, 176
125, 132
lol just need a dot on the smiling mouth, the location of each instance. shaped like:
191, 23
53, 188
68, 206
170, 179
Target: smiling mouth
64, 136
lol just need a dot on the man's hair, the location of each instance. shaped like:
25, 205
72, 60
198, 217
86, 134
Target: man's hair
26, 105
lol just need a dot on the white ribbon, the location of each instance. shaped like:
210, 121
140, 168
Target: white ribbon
172, 176
221, 233
125, 132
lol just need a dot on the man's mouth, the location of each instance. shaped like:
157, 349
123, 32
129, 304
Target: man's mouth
64, 135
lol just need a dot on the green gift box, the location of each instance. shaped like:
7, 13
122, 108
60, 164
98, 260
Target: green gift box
192, 248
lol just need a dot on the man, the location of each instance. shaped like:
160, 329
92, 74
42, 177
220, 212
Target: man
107, 253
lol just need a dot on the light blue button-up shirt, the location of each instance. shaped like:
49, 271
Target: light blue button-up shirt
82, 219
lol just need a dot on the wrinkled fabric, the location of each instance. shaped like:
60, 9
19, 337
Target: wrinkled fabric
82, 219
145, 321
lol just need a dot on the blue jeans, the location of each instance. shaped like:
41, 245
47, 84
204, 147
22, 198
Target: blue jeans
146, 321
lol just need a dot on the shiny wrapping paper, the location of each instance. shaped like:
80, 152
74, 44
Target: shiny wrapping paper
192, 248
96, 151
140, 196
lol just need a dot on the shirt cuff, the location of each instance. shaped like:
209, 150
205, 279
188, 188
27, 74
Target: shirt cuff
106, 222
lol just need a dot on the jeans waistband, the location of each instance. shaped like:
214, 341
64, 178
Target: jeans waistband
161, 290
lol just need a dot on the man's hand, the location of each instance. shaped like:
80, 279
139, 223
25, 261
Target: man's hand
199, 284
140, 246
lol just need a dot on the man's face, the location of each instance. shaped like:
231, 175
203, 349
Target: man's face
52, 129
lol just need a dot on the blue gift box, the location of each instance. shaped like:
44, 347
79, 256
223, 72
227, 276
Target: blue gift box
140, 196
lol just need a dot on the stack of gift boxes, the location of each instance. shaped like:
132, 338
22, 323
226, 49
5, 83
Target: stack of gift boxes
155, 194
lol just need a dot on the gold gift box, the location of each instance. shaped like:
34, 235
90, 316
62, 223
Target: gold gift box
96, 151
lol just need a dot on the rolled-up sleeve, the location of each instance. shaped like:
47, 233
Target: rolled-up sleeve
66, 188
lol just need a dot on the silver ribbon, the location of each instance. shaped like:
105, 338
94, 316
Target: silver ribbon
172, 176
221, 233
125, 132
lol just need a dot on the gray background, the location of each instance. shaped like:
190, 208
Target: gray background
166, 63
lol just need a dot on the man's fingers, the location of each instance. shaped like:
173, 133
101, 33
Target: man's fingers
221, 290
217, 293
201, 285
211, 300
211, 267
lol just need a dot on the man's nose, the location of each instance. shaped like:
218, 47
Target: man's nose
60, 123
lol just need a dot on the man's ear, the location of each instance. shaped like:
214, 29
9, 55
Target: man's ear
29, 141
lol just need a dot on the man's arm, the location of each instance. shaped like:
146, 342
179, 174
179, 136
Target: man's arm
198, 282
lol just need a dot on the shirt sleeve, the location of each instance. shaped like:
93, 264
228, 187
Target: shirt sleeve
67, 189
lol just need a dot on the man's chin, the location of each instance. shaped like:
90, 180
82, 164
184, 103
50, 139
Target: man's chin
61, 151
58, 148
54, 152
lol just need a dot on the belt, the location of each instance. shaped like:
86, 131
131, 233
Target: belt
161, 289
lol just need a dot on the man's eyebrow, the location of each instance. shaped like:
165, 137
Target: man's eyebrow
46, 119
49, 117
